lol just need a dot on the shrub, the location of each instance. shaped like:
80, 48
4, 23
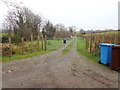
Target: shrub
4, 39
16, 39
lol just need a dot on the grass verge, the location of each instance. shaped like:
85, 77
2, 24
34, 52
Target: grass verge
19, 56
81, 48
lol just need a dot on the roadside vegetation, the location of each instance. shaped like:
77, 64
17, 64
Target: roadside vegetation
93, 39
81, 49
19, 56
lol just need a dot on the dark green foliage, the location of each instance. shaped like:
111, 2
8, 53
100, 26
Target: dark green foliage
16, 39
4, 39
49, 30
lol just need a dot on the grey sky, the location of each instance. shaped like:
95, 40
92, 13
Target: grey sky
86, 14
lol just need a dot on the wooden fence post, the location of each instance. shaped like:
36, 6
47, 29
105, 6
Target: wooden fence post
104, 39
91, 42
10, 45
87, 43
45, 41
115, 40
22, 40
32, 42
42, 43
95, 47
38, 42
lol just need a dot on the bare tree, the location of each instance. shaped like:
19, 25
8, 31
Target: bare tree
61, 31
22, 21
82, 31
72, 29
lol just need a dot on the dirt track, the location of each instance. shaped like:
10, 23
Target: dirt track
54, 70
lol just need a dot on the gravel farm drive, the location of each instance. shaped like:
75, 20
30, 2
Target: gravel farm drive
54, 70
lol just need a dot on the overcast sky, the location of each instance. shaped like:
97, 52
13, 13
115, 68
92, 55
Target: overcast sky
85, 14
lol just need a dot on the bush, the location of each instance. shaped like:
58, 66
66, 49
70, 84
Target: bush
4, 39
16, 39
6, 50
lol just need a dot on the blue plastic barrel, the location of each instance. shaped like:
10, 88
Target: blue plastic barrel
106, 53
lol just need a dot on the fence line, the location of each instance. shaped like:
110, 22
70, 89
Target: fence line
93, 41
24, 47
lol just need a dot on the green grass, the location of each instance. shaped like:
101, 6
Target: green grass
19, 56
2, 34
5, 34
52, 45
55, 44
81, 48
68, 48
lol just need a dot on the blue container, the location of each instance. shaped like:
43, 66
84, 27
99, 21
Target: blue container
106, 53
64, 41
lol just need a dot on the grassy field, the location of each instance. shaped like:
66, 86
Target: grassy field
81, 48
106, 33
68, 48
51, 46
2, 34
5, 34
